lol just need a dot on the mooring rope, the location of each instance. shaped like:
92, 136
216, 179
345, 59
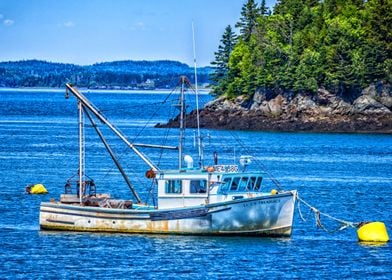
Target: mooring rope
317, 216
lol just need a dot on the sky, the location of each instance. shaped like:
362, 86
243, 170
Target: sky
85, 32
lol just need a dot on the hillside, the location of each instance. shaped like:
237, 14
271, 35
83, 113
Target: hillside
342, 46
127, 74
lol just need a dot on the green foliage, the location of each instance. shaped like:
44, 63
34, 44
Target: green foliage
221, 63
307, 72
388, 69
239, 67
341, 45
248, 21
378, 47
342, 49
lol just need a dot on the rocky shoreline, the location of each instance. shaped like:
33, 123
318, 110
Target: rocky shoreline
369, 112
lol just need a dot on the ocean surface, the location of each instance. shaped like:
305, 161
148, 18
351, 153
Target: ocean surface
347, 176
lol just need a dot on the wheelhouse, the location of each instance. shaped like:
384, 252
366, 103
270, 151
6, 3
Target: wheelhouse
196, 187
182, 189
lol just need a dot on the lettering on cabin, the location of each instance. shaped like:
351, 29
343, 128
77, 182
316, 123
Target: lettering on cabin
249, 204
226, 168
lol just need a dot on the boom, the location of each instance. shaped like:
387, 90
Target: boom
87, 104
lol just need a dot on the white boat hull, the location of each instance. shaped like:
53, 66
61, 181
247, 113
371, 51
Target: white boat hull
270, 215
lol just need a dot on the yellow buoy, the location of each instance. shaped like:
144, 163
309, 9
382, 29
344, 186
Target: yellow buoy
273, 191
36, 189
373, 232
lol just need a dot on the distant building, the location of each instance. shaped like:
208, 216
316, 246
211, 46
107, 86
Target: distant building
148, 84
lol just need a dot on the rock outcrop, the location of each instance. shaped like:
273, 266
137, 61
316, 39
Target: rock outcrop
371, 111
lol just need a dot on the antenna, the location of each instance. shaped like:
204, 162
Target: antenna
197, 98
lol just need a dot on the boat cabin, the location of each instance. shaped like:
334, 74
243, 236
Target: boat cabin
187, 188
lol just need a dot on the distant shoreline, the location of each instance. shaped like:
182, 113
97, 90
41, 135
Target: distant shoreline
115, 75
49, 89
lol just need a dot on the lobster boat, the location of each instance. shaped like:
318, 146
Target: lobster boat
191, 199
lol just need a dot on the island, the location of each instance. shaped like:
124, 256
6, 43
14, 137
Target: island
303, 66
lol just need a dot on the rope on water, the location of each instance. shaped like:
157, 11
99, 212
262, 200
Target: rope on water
317, 216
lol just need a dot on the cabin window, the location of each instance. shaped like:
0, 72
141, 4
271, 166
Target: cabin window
225, 185
243, 184
234, 184
173, 186
258, 183
254, 183
251, 184
198, 186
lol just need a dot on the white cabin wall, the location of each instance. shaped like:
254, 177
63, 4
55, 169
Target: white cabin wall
186, 198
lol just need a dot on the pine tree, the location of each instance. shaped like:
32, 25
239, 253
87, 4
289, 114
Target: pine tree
264, 10
248, 19
378, 28
221, 62
340, 45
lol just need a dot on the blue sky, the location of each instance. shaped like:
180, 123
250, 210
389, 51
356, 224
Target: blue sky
89, 31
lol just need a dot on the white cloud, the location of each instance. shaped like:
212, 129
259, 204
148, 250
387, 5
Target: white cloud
138, 26
69, 24
8, 22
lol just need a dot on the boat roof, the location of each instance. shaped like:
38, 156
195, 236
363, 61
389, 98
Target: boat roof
206, 171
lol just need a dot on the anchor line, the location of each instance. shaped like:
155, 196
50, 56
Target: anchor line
299, 209
317, 216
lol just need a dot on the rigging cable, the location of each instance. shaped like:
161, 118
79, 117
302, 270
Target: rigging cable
259, 163
122, 154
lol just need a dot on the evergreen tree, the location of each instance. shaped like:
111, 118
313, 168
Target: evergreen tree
248, 19
342, 49
341, 45
221, 62
264, 10
378, 48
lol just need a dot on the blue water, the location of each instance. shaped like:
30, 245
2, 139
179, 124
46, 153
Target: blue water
348, 176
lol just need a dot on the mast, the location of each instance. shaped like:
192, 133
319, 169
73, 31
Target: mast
182, 113
81, 151
197, 100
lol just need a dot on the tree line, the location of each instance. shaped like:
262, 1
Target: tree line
303, 45
118, 74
